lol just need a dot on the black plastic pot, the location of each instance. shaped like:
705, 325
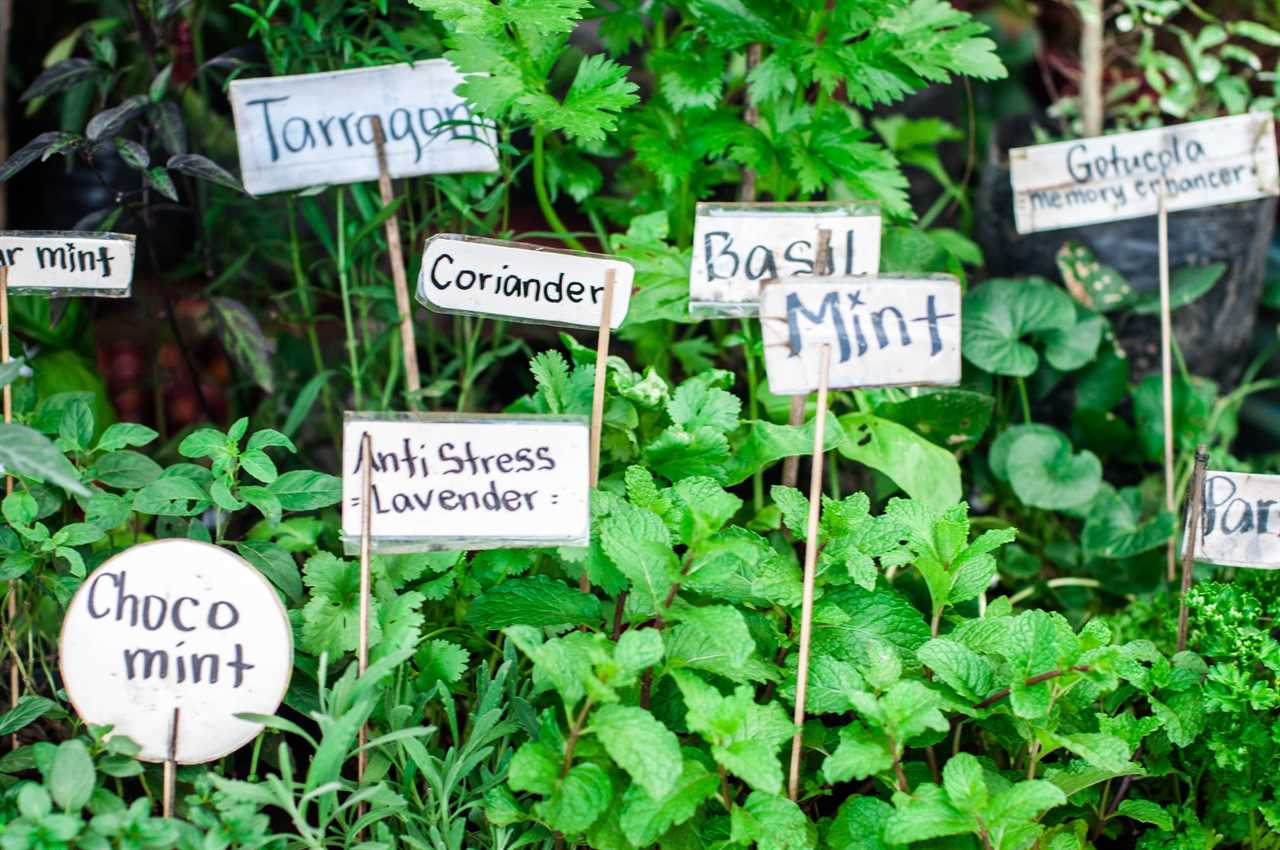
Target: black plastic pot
1213, 332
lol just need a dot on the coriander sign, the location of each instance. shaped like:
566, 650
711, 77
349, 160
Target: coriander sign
1240, 520
52, 262
527, 283
465, 481
881, 332
1109, 178
317, 129
176, 624
739, 247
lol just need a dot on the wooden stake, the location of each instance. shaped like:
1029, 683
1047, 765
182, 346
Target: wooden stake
597, 396
795, 417
1195, 506
11, 594
1091, 58
810, 569
366, 524
412, 379
1166, 367
171, 767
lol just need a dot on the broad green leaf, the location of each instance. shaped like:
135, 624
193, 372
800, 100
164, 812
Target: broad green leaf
923, 470
861, 753
534, 767
306, 490
1104, 288
28, 710
639, 545
965, 784
579, 800
71, 778
952, 419
773, 822
1146, 812
923, 815
958, 667
274, 562
534, 601
1115, 527
644, 818
244, 340
1000, 314
32, 455
1186, 285
1045, 474
647, 750
124, 469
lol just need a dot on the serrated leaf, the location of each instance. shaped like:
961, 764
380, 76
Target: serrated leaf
642, 746
535, 601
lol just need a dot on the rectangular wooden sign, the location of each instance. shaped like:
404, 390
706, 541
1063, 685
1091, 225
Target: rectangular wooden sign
1240, 521
453, 481
316, 129
882, 332
527, 283
62, 263
1109, 178
737, 247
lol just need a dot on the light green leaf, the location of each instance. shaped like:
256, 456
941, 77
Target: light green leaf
647, 750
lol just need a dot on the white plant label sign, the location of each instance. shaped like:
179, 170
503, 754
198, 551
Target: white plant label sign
739, 247
317, 129
1240, 520
527, 283
468, 482
176, 623
882, 332
1109, 178
68, 262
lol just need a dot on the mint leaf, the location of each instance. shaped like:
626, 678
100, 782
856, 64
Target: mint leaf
647, 750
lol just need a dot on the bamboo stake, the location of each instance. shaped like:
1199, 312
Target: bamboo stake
171, 768
11, 594
412, 379
1166, 368
1091, 59
795, 418
751, 114
597, 395
366, 524
810, 569
1194, 510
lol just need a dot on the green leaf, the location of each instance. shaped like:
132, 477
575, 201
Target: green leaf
638, 743
696, 405
71, 777
773, 822
958, 667
1001, 313
171, 495
203, 168
578, 801
644, 818
923, 815
244, 340
963, 780
204, 442
274, 562
257, 464
1186, 285
32, 455
1115, 528
766, 443
20, 508
126, 470
122, 435
534, 767
1146, 812
440, 660
306, 490
924, 471
1104, 287
638, 543
1025, 801
953, 419
600, 90
1192, 407
713, 638
535, 601
845, 619
28, 710
859, 754
1045, 474
1105, 752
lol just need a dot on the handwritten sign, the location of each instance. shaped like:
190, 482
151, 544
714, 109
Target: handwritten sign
54, 262
1240, 520
738, 247
882, 332
1109, 178
527, 283
176, 623
317, 129
474, 482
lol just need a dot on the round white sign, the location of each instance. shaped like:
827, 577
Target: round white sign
176, 624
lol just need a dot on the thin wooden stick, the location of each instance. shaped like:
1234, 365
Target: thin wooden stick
171, 767
1195, 508
751, 114
11, 594
412, 378
810, 568
795, 417
1166, 368
366, 524
597, 395
1091, 59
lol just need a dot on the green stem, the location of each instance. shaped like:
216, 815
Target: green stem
753, 411
1026, 404
352, 353
544, 199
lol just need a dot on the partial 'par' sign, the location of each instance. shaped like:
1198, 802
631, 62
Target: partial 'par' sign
467, 482
881, 332
1109, 178
527, 283
52, 262
737, 248
176, 624
1240, 520
317, 129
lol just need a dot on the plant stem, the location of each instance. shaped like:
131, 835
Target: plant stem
753, 410
352, 354
1026, 404
724, 788
544, 199
571, 742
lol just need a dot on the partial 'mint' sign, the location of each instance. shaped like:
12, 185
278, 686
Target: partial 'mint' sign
526, 283
1109, 178
53, 262
317, 129
461, 481
1240, 520
881, 332
176, 624
739, 247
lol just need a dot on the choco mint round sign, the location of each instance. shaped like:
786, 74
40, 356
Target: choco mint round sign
176, 624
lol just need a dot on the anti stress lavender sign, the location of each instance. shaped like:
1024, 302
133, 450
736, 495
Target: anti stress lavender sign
1109, 178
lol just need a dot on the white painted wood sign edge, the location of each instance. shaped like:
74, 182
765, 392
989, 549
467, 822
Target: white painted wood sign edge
16, 287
